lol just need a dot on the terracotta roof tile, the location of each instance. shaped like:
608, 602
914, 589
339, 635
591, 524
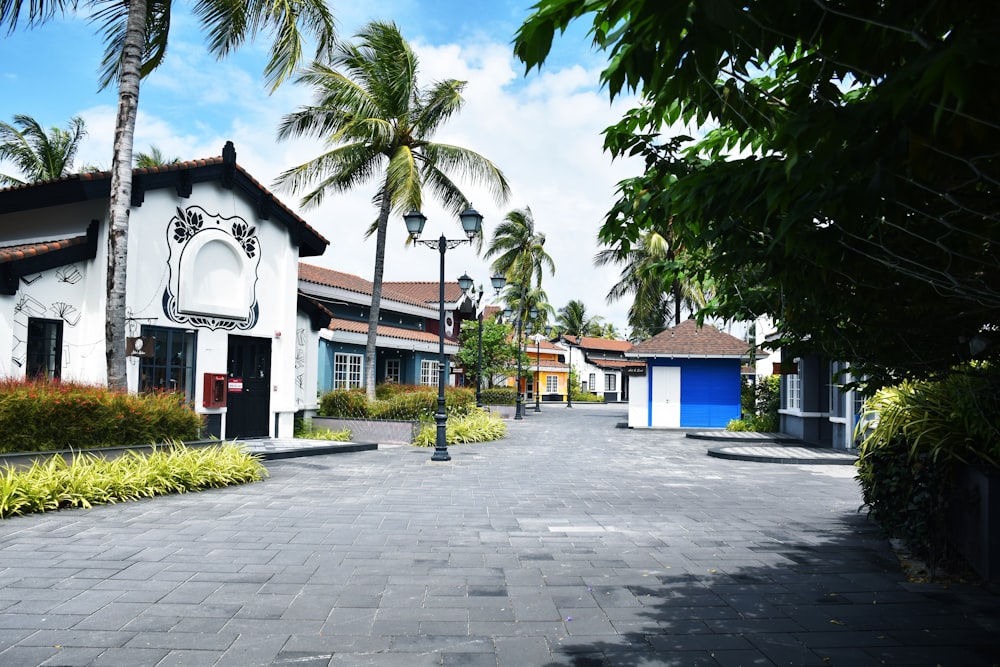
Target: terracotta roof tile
687, 339
352, 283
177, 166
603, 344
353, 326
426, 291
18, 252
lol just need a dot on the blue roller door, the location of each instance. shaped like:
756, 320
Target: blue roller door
710, 392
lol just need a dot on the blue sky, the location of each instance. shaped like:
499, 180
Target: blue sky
542, 130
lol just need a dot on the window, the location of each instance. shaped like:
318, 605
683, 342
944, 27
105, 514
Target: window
346, 371
793, 389
529, 386
44, 349
171, 366
551, 384
392, 371
429, 372
593, 382
610, 382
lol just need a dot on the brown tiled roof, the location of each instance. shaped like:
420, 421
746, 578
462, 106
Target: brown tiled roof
425, 291
687, 339
352, 326
616, 363
18, 252
603, 344
352, 283
93, 182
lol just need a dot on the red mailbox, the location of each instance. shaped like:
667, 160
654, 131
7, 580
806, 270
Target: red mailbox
215, 390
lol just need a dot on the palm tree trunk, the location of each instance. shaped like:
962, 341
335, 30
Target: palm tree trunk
373, 312
121, 192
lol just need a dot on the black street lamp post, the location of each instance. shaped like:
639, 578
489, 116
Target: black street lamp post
465, 283
519, 412
569, 378
472, 223
538, 371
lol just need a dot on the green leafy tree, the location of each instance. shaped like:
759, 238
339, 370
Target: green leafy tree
39, 155
845, 178
135, 34
498, 350
378, 124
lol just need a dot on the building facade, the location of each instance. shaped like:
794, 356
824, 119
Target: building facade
210, 293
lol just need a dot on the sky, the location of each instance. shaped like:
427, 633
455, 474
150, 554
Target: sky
542, 129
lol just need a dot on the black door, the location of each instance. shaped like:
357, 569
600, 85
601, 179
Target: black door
248, 405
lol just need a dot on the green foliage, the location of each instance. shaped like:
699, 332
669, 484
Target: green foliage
37, 154
474, 426
344, 403
38, 415
499, 396
915, 435
305, 429
405, 402
90, 480
857, 145
759, 401
498, 350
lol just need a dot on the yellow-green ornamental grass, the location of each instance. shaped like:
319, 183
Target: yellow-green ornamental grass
476, 426
90, 480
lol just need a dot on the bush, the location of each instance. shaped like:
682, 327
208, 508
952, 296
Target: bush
476, 426
344, 403
915, 436
304, 429
38, 415
759, 402
405, 402
499, 396
587, 397
89, 480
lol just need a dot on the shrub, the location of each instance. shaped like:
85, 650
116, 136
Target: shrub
587, 397
90, 480
759, 402
406, 402
915, 435
344, 403
305, 429
476, 426
499, 396
38, 415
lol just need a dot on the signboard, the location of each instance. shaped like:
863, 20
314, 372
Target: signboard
140, 347
785, 368
236, 385
635, 371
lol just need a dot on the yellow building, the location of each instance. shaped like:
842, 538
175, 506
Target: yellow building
547, 363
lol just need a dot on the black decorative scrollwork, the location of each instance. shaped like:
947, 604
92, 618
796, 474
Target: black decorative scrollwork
247, 236
186, 224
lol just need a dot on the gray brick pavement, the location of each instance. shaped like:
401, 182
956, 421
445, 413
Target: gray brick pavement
571, 542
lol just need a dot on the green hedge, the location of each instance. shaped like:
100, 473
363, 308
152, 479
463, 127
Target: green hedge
499, 396
405, 402
913, 438
44, 416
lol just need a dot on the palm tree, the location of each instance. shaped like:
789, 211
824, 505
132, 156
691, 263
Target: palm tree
574, 321
135, 35
378, 124
532, 298
37, 154
657, 295
154, 158
519, 250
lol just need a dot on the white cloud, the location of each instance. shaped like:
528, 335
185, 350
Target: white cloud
543, 131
